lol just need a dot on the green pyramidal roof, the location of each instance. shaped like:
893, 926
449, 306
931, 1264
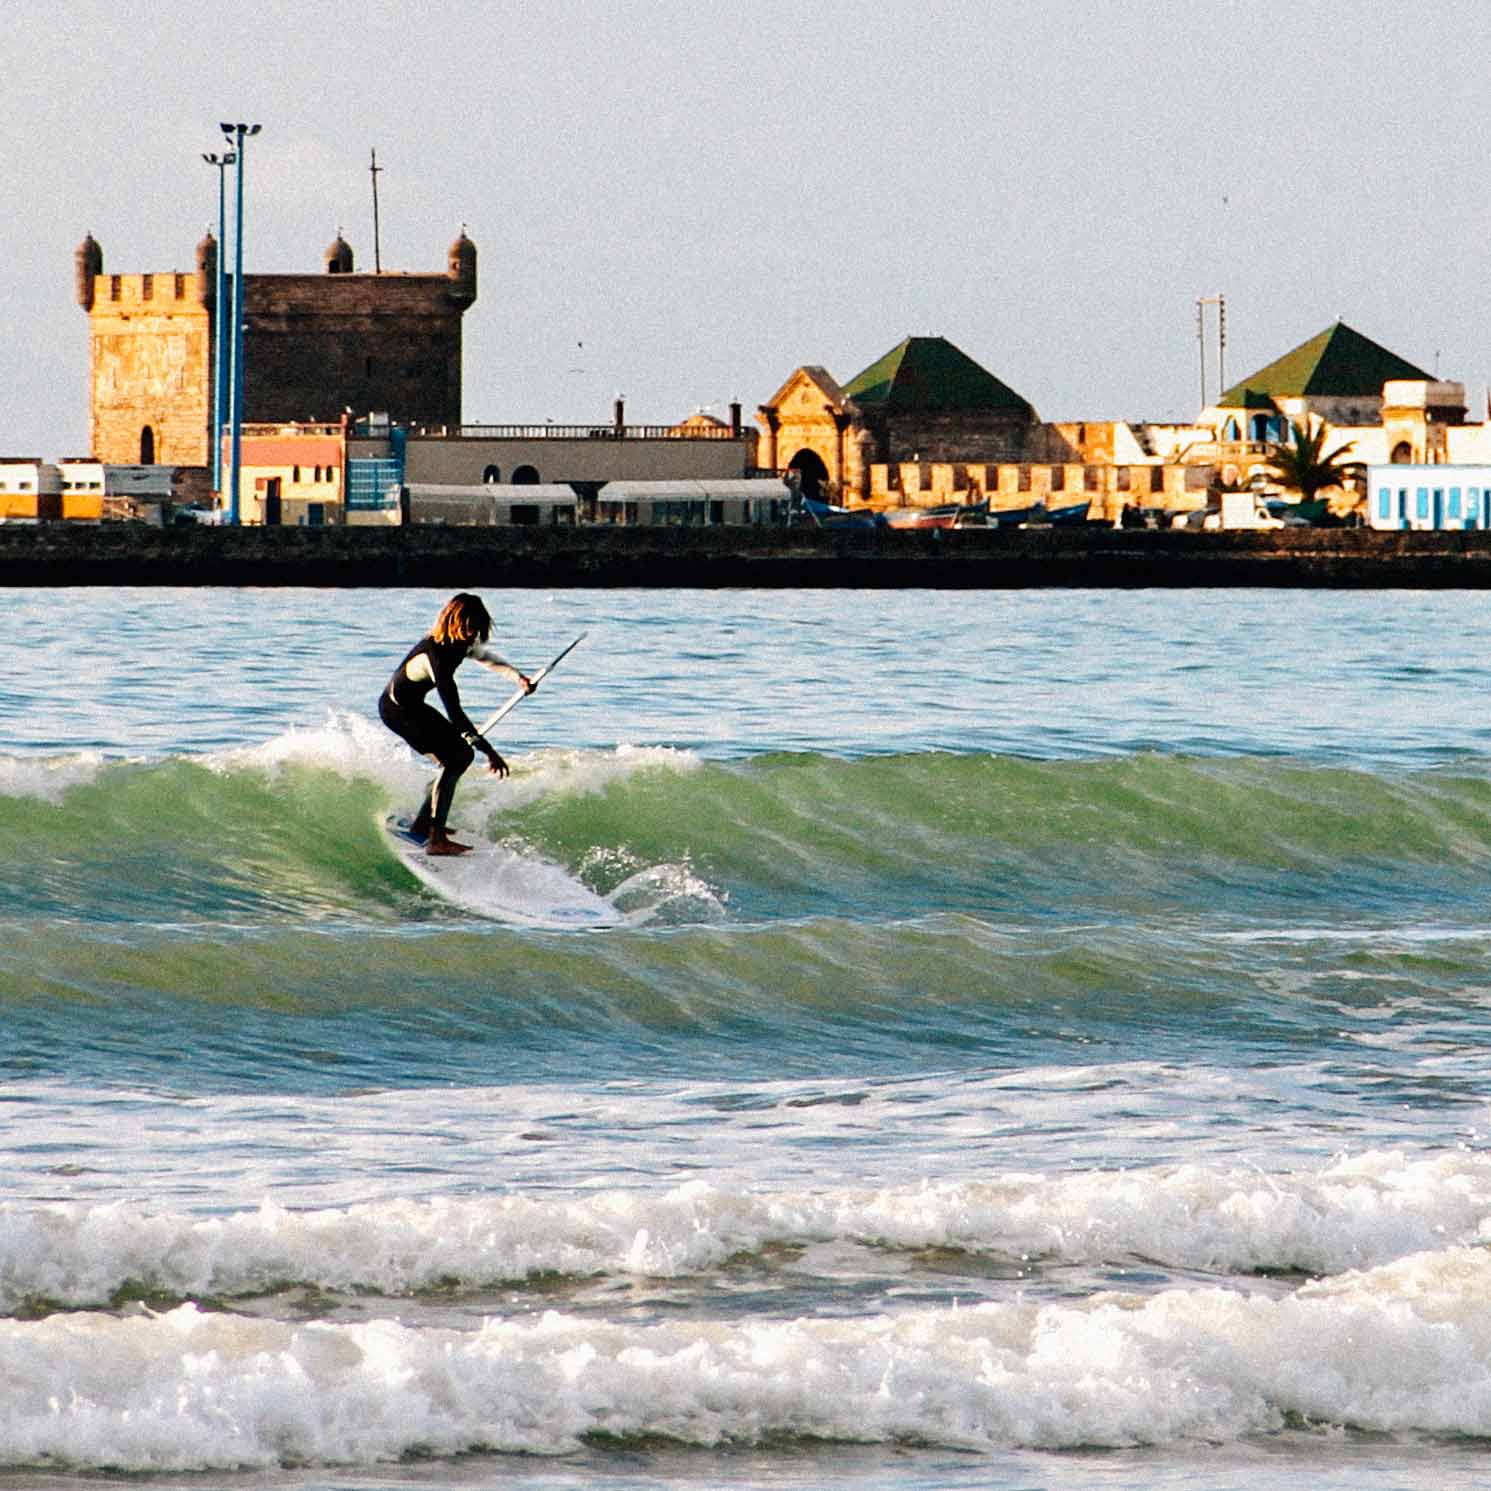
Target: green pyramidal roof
930, 373
1338, 361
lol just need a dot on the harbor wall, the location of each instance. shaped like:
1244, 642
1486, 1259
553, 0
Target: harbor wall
688, 558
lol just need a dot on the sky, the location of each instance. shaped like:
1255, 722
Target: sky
682, 203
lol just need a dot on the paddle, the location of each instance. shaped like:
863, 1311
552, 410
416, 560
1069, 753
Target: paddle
522, 693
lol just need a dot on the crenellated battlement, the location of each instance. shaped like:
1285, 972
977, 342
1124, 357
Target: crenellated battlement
314, 345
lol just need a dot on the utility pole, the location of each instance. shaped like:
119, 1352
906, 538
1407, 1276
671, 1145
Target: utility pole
373, 170
1220, 301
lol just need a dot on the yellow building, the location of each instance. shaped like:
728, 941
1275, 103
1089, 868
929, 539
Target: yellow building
291, 475
923, 400
925, 426
29, 490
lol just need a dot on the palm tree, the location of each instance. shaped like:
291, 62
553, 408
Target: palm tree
1301, 464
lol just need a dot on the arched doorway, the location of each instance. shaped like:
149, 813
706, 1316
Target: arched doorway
147, 446
525, 476
812, 473
1402, 454
492, 475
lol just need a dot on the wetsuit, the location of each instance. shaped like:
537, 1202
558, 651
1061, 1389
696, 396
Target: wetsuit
449, 737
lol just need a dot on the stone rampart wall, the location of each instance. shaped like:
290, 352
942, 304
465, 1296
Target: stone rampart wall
130, 554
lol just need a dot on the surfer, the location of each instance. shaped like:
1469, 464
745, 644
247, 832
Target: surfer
461, 631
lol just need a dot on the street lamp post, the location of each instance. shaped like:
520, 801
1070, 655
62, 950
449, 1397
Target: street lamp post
220, 315
238, 133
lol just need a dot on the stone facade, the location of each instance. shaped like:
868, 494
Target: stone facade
314, 346
863, 454
150, 359
1100, 489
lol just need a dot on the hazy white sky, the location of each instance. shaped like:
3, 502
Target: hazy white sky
684, 202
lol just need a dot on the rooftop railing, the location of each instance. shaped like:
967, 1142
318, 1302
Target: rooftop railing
548, 431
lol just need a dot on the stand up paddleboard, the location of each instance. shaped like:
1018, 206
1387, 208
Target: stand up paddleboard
501, 883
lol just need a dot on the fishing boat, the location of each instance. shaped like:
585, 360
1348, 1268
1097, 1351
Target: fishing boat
827, 515
944, 515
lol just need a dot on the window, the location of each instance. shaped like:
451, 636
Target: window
1454, 509
1384, 503
147, 287
1423, 502
295, 473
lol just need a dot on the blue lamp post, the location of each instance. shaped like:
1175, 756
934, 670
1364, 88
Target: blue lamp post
222, 353
238, 133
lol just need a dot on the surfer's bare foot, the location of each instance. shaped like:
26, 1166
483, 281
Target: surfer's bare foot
442, 843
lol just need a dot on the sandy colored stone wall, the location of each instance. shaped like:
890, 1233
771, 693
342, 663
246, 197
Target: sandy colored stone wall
150, 347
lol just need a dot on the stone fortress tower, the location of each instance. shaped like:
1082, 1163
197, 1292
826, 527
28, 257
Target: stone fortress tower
315, 345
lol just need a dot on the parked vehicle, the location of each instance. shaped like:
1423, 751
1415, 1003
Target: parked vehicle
1242, 510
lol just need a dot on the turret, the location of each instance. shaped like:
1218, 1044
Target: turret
462, 271
339, 256
207, 271
88, 265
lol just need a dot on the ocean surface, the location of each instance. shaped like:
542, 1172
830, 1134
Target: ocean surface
1044, 1044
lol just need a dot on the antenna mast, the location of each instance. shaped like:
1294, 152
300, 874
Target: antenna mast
1220, 301
373, 169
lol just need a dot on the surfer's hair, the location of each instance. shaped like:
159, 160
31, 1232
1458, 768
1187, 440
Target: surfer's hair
462, 619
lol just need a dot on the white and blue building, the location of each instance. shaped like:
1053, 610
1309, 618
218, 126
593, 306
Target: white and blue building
1429, 497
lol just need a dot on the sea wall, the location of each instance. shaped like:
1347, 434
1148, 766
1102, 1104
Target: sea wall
129, 554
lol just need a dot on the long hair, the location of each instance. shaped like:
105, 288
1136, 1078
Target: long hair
463, 618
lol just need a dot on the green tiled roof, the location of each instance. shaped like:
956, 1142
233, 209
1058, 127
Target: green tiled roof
928, 373
1339, 361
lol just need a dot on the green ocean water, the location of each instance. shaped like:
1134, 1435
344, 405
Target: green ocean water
1042, 1041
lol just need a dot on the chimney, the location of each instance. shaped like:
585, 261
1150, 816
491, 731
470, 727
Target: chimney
618, 416
735, 418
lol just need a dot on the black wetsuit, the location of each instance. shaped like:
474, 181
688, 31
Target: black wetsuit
449, 737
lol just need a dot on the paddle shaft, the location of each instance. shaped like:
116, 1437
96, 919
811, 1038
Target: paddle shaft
522, 693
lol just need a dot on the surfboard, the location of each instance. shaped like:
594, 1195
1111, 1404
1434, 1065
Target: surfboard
502, 884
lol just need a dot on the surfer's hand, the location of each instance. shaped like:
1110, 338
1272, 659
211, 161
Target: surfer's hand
528, 684
495, 764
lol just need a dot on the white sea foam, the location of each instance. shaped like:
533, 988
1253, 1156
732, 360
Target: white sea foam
49, 778
357, 747
1355, 1213
1402, 1349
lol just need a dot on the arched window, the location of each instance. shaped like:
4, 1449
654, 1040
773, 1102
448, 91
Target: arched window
1402, 454
525, 476
147, 446
492, 475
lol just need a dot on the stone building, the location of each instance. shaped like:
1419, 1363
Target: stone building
1379, 405
315, 345
923, 400
925, 425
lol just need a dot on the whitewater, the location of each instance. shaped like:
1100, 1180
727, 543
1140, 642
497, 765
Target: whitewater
1041, 1044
